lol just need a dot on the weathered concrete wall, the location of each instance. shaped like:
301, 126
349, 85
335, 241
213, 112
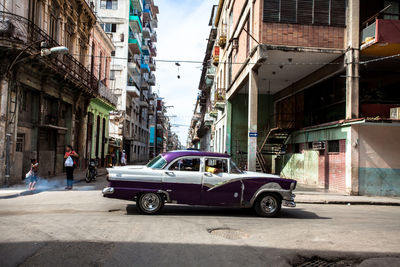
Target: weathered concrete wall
379, 167
315, 167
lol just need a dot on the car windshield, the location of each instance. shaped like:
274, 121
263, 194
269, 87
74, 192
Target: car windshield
157, 163
235, 168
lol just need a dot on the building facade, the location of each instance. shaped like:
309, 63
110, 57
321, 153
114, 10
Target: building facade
132, 25
308, 88
44, 97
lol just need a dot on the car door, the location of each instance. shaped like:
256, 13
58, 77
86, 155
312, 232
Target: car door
219, 186
182, 180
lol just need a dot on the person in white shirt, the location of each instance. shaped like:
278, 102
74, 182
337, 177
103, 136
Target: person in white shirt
123, 158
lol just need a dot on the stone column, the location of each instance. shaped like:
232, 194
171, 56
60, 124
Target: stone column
252, 121
352, 59
3, 123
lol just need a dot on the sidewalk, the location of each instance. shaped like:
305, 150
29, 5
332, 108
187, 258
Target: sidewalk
45, 184
306, 194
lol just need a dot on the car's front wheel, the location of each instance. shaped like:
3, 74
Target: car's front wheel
268, 205
149, 203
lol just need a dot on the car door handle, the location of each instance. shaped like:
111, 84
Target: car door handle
208, 174
169, 173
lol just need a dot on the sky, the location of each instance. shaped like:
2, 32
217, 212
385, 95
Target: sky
182, 35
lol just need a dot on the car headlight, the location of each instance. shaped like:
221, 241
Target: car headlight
292, 186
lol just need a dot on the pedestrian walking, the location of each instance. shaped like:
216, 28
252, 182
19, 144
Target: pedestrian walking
70, 163
123, 158
32, 175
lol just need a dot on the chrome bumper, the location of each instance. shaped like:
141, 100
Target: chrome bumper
108, 191
289, 202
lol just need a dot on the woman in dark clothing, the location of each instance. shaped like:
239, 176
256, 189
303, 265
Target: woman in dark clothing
70, 163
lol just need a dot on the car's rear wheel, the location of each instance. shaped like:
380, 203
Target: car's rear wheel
268, 205
149, 203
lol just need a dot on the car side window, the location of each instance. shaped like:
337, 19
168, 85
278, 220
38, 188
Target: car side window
216, 166
186, 164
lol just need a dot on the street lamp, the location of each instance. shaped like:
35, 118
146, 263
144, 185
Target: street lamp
62, 50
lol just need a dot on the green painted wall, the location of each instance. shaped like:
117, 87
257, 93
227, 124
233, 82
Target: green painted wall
239, 125
303, 167
99, 108
379, 181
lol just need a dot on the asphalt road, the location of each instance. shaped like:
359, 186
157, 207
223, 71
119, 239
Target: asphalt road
80, 227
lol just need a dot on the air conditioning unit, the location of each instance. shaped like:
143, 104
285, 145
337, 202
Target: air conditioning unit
318, 145
395, 113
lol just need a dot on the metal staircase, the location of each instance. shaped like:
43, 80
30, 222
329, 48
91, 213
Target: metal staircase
273, 143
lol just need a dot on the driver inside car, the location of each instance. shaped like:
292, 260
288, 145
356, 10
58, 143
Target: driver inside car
213, 169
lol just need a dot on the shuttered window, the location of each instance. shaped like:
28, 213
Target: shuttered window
289, 11
271, 10
321, 12
318, 12
305, 11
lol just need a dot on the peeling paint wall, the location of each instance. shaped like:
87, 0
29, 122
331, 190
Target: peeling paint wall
379, 168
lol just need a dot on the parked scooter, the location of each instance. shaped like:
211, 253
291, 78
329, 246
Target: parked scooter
91, 172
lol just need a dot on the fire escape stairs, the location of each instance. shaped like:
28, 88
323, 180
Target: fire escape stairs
272, 144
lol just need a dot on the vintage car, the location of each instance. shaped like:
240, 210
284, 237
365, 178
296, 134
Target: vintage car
198, 178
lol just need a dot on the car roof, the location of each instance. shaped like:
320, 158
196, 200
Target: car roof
171, 155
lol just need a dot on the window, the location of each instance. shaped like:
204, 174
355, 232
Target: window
216, 166
109, 27
20, 142
112, 74
319, 12
234, 168
157, 163
109, 4
333, 146
229, 70
186, 164
113, 53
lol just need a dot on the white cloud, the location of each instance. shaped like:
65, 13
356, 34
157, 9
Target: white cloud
182, 35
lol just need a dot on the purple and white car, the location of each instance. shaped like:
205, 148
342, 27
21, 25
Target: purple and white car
199, 178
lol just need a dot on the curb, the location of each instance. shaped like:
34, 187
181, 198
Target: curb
342, 202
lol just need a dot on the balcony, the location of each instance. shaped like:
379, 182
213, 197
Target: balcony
152, 80
214, 113
145, 48
135, 22
20, 32
136, 4
106, 94
152, 64
144, 67
143, 104
208, 120
153, 37
132, 90
134, 42
146, 32
144, 82
154, 23
381, 38
133, 68
211, 72
147, 16
153, 51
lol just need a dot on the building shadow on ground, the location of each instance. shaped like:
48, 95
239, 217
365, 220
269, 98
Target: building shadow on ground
101, 253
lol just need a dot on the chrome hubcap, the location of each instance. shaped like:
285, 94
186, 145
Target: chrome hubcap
269, 204
150, 202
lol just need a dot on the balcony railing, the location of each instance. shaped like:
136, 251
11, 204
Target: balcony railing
24, 33
106, 93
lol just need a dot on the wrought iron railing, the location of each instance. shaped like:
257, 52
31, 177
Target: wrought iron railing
21, 31
106, 93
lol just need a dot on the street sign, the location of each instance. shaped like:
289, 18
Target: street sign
253, 134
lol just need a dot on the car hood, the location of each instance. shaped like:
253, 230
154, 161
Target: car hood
128, 167
260, 175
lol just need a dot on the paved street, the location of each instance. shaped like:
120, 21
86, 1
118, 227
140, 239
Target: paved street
80, 227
